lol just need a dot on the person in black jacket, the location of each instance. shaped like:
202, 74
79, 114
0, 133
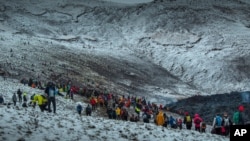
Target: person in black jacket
19, 93
88, 110
1, 99
14, 99
188, 121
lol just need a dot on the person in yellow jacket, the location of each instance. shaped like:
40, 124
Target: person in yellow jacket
118, 113
41, 100
160, 118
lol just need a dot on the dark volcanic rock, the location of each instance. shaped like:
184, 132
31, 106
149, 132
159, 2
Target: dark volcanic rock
208, 106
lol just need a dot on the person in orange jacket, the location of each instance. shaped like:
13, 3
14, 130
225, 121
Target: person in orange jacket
160, 118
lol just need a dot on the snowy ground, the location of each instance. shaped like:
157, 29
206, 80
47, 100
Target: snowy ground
30, 124
163, 50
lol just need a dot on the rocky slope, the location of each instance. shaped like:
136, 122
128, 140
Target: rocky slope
208, 106
160, 49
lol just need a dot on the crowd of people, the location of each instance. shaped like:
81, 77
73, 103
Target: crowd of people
127, 108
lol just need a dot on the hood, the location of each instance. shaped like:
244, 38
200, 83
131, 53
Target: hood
196, 115
241, 108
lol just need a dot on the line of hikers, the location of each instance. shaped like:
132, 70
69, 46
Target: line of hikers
118, 107
221, 124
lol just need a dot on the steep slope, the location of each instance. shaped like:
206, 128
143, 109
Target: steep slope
164, 48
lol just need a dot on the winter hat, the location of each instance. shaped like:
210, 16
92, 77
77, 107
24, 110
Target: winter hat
186, 113
241, 108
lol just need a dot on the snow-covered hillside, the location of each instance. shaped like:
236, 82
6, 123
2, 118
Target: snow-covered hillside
26, 124
160, 49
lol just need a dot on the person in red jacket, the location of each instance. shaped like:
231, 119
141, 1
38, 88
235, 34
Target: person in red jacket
197, 122
93, 103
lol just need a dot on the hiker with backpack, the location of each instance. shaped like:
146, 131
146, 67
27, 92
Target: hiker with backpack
188, 121
203, 127
179, 123
197, 122
217, 124
226, 122
172, 122
79, 108
50, 91
238, 116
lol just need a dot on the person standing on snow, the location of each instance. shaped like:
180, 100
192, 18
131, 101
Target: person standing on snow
238, 118
50, 91
88, 110
14, 99
226, 122
172, 122
160, 118
19, 93
217, 124
179, 123
1, 99
197, 122
24, 99
188, 121
79, 108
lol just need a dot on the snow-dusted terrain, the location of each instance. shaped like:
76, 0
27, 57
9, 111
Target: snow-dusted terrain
159, 48
28, 124
162, 49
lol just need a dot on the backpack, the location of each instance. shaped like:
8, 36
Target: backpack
203, 125
79, 108
218, 121
226, 122
197, 121
188, 119
236, 117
